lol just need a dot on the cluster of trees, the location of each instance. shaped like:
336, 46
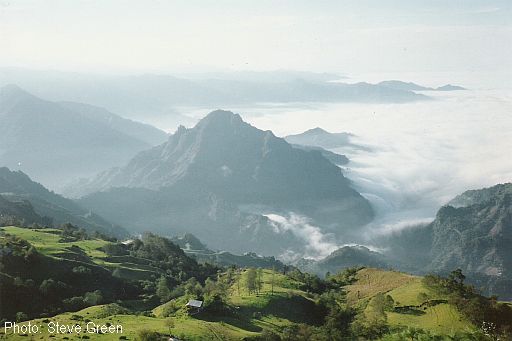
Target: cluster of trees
309, 282
254, 280
35, 285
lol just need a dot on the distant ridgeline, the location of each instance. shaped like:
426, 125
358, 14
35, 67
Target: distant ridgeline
25, 202
55, 142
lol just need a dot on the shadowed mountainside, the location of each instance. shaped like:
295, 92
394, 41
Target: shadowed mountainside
54, 143
227, 173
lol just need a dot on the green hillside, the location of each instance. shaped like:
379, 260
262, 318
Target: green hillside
148, 283
254, 313
407, 291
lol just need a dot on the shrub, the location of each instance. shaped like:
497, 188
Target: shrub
147, 335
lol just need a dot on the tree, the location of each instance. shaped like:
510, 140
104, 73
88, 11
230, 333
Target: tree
193, 287
259, 280
389, 303
93, 298
272, 282
21, 316
268, 335
251, 280
238, 282
162, 289
457, 278
210, 287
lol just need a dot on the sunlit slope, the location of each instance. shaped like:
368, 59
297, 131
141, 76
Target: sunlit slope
252, 313
49, 242
410, 296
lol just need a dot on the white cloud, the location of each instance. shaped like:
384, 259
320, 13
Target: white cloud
317, 244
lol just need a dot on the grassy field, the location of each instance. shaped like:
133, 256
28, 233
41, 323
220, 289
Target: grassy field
48, 242
194, 329
405, 290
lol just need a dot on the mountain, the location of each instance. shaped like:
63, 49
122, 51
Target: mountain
342, 258
12, 212
351, 256
219, 179
159, 95
54, 143
449, 87
194, 248
406, 86
408, 249
140, 131
318, 137
409, 86
337, 159
476, 238
28, 200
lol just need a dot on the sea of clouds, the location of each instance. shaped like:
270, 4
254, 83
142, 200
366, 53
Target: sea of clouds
423, 153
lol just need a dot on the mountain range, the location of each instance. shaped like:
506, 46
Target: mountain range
150, 95
219, 179
409, 86
55, 142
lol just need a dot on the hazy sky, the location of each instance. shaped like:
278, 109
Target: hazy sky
341, 36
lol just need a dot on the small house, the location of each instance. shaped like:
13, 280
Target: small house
194, 306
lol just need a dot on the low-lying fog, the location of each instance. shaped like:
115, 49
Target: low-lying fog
424, 153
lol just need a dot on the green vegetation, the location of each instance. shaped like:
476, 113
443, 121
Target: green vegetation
72, 278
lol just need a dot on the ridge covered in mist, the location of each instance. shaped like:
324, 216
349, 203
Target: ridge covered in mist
56, 142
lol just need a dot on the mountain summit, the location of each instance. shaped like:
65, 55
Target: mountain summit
226, 169
228, 156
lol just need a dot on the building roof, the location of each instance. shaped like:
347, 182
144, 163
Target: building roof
195, 303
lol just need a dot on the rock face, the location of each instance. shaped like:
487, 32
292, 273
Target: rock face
30, 201
226, 172
54, 142
476, 237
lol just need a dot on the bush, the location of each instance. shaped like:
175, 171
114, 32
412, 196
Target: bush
93, 298
21, 316
74, 303
147, 335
